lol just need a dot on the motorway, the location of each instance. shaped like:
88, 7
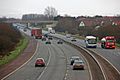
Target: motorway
112, 55
57, 58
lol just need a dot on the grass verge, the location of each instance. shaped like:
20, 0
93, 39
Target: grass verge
79, 37
118, 45
14, 54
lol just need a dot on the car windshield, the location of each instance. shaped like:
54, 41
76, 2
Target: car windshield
78, 62
40, 60
75, 58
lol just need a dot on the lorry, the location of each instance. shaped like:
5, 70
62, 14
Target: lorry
37, 33
91, 41
108, 42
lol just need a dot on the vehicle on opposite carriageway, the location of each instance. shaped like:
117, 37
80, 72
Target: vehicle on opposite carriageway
108, 42
91, 41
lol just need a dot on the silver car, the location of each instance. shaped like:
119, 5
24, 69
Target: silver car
78, 64
73, 58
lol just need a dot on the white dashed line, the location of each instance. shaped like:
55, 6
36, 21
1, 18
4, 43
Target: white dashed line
21, 65
46, 65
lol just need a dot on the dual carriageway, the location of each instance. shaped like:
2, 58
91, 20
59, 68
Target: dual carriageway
57, 58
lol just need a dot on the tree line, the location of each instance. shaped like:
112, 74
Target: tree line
97, 26
9, 37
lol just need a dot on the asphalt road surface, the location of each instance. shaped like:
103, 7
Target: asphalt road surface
57, 58
112, 55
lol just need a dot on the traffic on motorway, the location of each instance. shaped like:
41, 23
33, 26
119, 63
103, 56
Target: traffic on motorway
54, 59
107, 43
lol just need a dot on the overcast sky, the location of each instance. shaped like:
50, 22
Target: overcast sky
15, 8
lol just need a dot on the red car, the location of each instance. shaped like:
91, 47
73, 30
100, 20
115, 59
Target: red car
40, 62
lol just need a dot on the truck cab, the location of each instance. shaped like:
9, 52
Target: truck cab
108, 42
37, 33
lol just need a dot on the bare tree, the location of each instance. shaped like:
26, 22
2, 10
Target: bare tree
50, 12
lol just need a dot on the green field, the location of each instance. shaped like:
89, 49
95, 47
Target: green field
14, 54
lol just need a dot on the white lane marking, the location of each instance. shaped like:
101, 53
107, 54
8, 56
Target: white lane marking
116, 53
91, 78
65, 78
66, 74
65, 61
46, 65
67, 71
89, 70
109, 62
21, 65
97, 63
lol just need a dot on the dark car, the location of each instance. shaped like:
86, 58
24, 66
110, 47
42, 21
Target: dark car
73, 58
24, 29
50, 38
48, 42
60, 42
46, 35
40, 62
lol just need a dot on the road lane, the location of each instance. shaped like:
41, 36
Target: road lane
112, 55
56, 69
73, 74
59, 68
29, 72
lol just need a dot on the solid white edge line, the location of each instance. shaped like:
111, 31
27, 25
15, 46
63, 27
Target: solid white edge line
96, 61
89, 70
46, 65
108, 62
83, 57
21, 65
95, 58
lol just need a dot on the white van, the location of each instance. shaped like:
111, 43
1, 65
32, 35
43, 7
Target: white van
68, 35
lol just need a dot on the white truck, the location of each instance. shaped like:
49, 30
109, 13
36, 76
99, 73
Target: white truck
68, 35
50, 30
91, 41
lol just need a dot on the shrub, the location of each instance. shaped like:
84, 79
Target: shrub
9, 37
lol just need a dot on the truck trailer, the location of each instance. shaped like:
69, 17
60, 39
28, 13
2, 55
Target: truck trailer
108, 42
37, 33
